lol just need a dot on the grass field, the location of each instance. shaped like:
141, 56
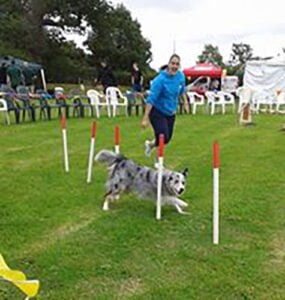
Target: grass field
52, 226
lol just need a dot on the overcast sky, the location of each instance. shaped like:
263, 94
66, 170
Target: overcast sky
187, 25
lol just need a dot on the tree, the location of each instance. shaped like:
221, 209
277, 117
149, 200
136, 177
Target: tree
35, 29
211, 54
118, 39
240, 54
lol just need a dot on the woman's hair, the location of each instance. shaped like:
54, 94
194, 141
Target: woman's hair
174, 56
164, 67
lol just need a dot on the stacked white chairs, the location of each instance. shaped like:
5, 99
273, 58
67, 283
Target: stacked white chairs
59, 92
244, 94
280, 102
98, 100
116, 99
195, 100
4, 109
214, 100
228, 99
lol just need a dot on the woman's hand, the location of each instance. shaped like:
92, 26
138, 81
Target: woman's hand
144, 122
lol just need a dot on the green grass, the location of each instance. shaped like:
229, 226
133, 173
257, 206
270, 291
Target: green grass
52, 226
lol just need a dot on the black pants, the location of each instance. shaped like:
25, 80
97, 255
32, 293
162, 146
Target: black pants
161, 124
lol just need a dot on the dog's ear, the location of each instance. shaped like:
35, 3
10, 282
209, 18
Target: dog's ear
185, 172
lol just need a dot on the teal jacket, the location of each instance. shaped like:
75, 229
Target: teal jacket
165, 91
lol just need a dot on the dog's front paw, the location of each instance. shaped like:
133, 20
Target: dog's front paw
184, 213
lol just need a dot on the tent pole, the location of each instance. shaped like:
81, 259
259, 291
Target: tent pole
43, 80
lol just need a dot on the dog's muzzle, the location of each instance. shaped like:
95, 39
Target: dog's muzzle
181, 191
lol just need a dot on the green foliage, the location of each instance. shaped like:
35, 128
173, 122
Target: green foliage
52, 226
68, 64
240, 54
211, 54
118, 40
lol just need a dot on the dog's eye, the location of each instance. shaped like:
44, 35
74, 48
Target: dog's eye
183, 182
176, 181
170, 178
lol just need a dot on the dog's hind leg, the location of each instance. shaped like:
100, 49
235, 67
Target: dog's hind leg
106, 203
107, 199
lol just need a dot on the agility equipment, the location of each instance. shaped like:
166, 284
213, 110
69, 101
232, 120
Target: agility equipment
117, 139
215, 193
91, 152
64, 142
29, 287
245, 115
159, 177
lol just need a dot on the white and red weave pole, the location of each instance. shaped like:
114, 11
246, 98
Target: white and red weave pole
159, 177
216, 193
64, 141
117, 139
91, 152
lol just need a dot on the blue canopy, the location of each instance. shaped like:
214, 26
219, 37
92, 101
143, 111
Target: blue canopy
33, 67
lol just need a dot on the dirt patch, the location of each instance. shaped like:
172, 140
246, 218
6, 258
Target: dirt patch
278, 252
130, 287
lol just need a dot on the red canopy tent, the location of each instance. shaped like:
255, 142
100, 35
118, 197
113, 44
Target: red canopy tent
203, 69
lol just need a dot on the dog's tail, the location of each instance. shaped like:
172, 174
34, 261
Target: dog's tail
108, 157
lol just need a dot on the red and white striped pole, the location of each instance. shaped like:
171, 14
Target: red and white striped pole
216, 193
117, 139
91, 152
159, 177
64, 141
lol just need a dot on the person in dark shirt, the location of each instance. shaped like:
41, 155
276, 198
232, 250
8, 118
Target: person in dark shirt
3, 74
136, 78
105, 76
29, 77
15, 75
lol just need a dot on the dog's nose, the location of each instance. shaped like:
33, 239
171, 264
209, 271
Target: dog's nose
181, 191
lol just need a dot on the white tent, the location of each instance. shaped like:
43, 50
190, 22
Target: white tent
268, 75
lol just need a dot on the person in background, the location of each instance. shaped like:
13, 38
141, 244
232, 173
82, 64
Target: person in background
3, 74
136, 78
105, 76
215, 85
15, 75
29, 78
162, 102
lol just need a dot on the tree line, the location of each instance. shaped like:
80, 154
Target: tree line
35, 30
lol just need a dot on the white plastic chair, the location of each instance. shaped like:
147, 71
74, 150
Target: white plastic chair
4, 109
227, 98
58, 92
115, 97
97, 100
260, 99
280, 101
213, 100
195, 100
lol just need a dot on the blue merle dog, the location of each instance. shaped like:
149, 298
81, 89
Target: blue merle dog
125, 176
